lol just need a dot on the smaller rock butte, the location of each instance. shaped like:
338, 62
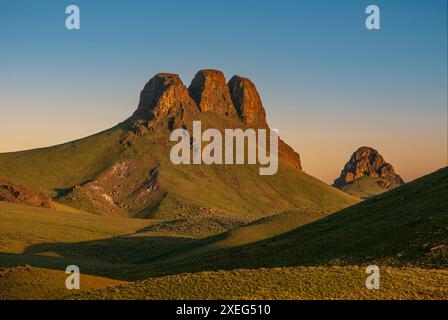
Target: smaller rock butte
14, 193
166, 100
366, 161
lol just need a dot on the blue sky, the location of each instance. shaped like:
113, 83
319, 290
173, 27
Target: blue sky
328, 83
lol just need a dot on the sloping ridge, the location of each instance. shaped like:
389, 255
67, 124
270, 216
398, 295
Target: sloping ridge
404, 226
126, 170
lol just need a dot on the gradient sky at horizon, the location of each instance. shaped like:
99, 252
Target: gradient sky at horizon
328, 84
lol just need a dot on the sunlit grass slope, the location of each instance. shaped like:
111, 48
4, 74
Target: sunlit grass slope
364, 188
25, 282
55, 169
260, 229
22, 226
183, 190
405, 226
283, 283
53, 239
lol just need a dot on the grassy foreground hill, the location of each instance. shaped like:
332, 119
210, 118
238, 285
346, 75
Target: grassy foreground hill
404, 231
282, 283
405, 226
25, 282
308, 283
115, 246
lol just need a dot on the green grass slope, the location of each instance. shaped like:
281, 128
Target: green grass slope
53, 239
56, 169
249, 232
101, 175
115, 246
23, 226
405, 226
364, 188
283, 283
27, 283
264, 228
402, 231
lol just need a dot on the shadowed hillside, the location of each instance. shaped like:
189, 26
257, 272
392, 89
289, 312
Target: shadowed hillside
408, 225
25, 283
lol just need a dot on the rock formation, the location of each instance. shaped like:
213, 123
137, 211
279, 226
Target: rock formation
250, 109
247, 102
18, 194
288, 155
166, 101
368, 162
210, 92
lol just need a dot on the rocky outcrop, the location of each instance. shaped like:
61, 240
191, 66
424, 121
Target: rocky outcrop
288, 155
367, 162
125, 188
210, 92
165, 99
247, 102
250, 109
18, 194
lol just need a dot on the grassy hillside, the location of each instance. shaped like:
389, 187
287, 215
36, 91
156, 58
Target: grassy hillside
23, 226
250, 232
53, 239
25, 283
405, 226
283, 283
364, 188
401, 231
115, 246
56, 169
119, 173
408, 225
264, 228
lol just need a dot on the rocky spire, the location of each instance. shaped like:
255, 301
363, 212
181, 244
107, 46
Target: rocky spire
165, 99
210, 92
247, 101
368, 162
